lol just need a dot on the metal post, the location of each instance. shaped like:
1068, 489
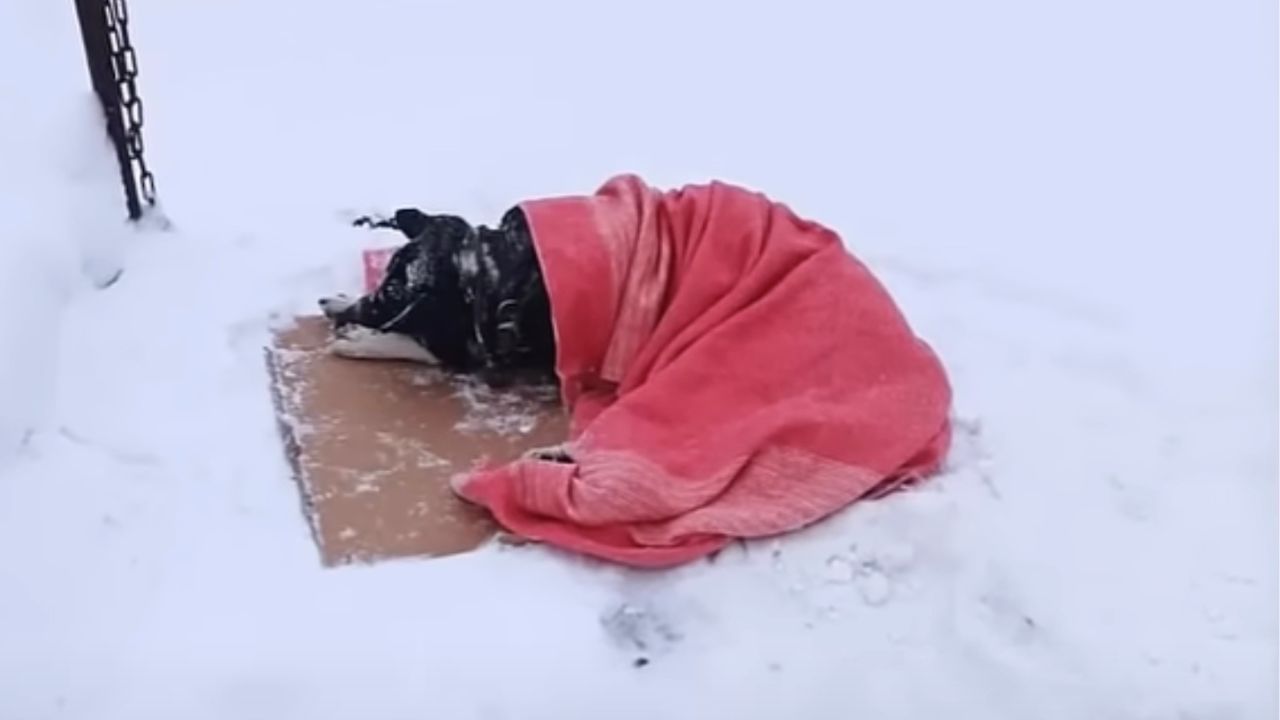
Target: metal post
112, 67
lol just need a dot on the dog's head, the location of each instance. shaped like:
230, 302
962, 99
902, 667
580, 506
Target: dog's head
420, 294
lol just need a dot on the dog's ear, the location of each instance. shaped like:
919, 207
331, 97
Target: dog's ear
431, 229
411, 222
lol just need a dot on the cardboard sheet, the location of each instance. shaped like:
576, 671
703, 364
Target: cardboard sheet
374, 443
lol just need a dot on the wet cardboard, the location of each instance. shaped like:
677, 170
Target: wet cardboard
373, 445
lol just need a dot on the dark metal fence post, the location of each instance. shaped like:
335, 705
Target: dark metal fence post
104, 28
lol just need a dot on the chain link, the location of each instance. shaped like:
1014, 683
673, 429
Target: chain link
124, 63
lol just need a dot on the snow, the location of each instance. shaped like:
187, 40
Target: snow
1074, 201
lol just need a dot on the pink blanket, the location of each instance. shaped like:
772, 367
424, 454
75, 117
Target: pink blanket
730, 370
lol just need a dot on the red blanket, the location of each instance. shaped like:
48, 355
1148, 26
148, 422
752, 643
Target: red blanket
730, 370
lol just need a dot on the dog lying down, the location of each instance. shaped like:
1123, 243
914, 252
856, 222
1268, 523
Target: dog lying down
729, 369
469, 299
463, 298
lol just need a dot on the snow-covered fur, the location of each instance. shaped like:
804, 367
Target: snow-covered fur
470, 299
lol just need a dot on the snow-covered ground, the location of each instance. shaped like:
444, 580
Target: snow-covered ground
1075, 201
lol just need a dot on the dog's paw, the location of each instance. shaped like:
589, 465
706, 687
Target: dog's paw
335, 305
554, 453
349, 331
352, 341
364, 343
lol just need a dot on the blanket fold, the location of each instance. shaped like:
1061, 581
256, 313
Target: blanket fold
731, 371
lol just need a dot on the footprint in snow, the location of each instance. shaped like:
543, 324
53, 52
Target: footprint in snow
640, 630
871, 576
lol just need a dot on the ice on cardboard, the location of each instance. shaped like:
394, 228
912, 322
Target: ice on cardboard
504, 413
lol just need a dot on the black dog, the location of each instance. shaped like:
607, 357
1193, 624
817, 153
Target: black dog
469, 299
